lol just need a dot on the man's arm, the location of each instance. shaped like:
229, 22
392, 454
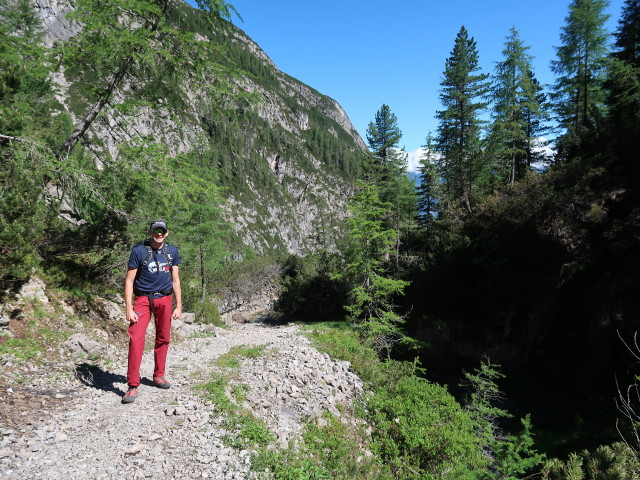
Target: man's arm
128, 294
177, 291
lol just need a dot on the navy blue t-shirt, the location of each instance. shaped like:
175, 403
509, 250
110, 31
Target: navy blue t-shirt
149, 279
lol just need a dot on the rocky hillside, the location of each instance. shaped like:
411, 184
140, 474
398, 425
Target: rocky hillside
287, 156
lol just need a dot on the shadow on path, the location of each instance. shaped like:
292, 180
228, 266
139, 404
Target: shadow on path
93, 376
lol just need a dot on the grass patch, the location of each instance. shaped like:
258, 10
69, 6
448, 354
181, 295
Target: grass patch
329, 451
33, 340
245, 430
232, 358
340, 340
21, 348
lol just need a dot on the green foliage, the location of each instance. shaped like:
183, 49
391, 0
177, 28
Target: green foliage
422, 432
372, 292
578, 94
329, 450
245, 430
232, 358
518, 112
149, 45
30, 126
207, 312
510, 456
461, 163
515, 455
22, 348
309, 290
615, 462
387, 170
419, 430
383, 136
429, 189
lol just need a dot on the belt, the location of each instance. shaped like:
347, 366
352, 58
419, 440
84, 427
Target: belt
140, 293
151, 295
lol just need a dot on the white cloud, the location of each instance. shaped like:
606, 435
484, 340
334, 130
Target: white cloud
413, 159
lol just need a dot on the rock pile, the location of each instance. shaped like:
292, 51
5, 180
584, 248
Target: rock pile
296, 384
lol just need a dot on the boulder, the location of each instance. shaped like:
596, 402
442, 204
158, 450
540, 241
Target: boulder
81, 345
34, 289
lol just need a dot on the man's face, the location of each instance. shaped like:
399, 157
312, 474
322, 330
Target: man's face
159, 234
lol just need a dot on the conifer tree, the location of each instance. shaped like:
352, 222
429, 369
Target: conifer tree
383, 136
388, 171
516, 112
370, 243
429, 187
510, 456
623, 89
627, 36
578, 91
28, 133
458, 140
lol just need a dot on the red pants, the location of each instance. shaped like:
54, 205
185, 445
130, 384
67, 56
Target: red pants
162, 315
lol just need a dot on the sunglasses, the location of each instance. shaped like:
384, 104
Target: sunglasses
159, 230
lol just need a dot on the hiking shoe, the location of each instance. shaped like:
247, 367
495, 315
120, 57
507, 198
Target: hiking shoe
131, 395
161, 382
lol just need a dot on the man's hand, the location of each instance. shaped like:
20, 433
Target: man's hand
177, 313
132, 316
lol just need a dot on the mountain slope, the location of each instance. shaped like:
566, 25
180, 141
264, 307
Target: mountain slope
287, 154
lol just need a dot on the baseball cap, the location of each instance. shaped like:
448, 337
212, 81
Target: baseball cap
158, 224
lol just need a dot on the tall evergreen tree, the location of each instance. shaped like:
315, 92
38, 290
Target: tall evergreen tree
458, 140
383, 136
516, 110
535, 122
623, 89
627, 37
429, 188
370, 243
578, 91
31, 124
388, 171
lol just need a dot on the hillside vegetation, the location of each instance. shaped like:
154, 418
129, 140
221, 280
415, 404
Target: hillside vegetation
488, 311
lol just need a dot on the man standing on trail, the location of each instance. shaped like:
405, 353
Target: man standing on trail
152, 277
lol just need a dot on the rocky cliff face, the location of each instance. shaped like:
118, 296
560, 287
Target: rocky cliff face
303, 203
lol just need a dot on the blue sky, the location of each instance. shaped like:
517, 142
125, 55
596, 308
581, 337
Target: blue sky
368, 53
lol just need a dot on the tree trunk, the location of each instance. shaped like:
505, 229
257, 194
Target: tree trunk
97, 107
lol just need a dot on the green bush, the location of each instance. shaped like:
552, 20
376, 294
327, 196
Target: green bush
309, 292
615, 462
419, 429
208, 312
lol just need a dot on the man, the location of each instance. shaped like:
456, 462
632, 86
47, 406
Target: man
152, 277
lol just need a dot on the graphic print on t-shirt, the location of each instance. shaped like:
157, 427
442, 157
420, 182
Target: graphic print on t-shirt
152, 266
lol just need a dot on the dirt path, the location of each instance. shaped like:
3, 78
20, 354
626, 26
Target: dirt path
82, 431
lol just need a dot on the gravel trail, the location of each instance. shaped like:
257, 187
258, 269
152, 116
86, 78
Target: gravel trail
172, 433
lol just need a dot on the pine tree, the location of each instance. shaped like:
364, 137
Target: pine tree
429, 188
458, 141
623, 90
148, 47
516, 112
627, 43
383, 136
370, 243
388, 171
510, 455
535, 121
578, 91
30, 127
